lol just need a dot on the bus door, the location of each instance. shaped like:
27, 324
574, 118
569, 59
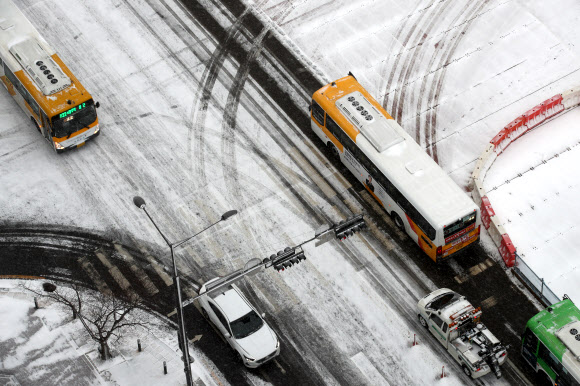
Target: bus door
530, 347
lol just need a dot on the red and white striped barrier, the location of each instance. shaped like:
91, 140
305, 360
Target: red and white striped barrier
515, 129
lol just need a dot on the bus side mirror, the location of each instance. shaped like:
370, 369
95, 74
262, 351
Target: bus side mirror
97, 105
309, 107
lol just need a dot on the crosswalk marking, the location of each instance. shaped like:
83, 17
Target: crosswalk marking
115, 272
94, 275
162, 274
489, 302
138, 271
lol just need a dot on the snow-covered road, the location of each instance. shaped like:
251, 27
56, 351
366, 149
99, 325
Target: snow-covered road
184, 126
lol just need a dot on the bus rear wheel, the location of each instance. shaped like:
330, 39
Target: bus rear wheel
397, 220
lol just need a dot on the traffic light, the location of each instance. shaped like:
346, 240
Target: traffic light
348, 227
286, 258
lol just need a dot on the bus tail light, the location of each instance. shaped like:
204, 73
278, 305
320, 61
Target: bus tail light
478, 229
439, 251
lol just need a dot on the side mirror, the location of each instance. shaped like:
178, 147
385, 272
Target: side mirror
227, 335
98, 104
309, 107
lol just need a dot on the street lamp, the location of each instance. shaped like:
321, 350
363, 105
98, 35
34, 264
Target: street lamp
140, 203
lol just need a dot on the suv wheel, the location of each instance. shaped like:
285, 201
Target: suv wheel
423, 321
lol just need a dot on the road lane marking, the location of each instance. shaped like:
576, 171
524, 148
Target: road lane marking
312, 173
115, 272
94, 275
137, 271
368, 370
489, 302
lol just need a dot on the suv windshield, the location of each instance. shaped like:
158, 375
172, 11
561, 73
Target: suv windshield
443, 300
74, 119
246, 325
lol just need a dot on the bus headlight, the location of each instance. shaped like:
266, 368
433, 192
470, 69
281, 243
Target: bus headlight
58, 146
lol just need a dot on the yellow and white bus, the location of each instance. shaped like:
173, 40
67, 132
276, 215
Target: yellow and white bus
57, 103
420, 197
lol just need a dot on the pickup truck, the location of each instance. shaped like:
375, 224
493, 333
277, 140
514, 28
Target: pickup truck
455, 323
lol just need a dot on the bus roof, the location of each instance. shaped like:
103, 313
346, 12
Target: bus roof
21, 48
396, 154
546, 324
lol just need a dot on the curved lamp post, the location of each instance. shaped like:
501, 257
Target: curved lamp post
182, 336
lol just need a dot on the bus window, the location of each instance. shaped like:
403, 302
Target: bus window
530, 346
15, 82
318, 113
550, 359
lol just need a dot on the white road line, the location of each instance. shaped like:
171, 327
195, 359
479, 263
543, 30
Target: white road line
137, 271
114, 271
489, 302
368, 370
94, 275
279, 366
164, 276
312, 173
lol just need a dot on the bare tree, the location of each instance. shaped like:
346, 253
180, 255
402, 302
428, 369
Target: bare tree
103, 316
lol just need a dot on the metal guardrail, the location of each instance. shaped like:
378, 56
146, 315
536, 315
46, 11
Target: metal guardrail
535, 283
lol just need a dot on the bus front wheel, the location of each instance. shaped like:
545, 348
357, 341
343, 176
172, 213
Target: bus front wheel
398, 222
36, 124
333, 150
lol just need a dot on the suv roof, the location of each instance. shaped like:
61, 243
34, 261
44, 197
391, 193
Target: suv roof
232, 303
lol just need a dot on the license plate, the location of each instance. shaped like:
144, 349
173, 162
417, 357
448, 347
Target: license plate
81, 144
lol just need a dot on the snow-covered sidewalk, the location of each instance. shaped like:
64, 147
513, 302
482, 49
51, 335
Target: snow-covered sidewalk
45, 347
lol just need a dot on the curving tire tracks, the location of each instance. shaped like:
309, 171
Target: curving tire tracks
415, 56
426, 129
430, 130
404, 43
231, 109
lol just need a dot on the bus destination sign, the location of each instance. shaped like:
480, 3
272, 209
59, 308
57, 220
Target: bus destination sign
72, 111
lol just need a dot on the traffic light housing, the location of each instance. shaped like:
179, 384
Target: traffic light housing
286, 258
348, 227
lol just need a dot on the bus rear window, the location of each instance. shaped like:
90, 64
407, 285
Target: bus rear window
459, 224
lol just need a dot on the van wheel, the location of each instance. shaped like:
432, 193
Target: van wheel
423, 321
333, 150
466, 371
398, 221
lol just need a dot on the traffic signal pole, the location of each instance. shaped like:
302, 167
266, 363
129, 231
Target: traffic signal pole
289, 256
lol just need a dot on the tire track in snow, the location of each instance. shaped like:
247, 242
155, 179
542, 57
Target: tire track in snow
424, 82
398, 58
435, 91
208, 79
413, 56
231, 110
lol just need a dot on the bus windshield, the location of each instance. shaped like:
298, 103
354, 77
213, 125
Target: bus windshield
74, 119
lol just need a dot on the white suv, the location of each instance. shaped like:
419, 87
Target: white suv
239, 323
